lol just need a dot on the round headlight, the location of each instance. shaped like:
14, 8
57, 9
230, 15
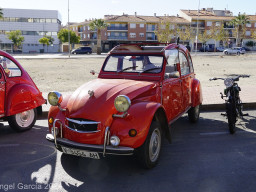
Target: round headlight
54, 98
228, 82
122, 103
114, 140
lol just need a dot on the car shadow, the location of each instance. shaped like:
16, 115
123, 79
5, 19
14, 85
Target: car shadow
190, 143
28, 161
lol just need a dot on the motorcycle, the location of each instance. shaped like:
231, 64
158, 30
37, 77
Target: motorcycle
234, 105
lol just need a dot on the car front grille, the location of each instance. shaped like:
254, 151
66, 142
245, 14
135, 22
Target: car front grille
83, 125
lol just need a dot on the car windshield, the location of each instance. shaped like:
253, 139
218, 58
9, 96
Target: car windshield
134, 64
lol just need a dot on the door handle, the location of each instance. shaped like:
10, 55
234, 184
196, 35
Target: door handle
2, 82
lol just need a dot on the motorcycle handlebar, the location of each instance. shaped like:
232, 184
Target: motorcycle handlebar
234, 78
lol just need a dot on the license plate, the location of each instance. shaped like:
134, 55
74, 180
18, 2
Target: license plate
82, 153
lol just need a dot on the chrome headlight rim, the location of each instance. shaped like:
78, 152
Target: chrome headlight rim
54, 98
122, 103
228, 82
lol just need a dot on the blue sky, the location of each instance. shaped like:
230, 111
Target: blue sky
85, 9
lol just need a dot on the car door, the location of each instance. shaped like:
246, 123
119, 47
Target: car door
172, 87
186, 78
2, 91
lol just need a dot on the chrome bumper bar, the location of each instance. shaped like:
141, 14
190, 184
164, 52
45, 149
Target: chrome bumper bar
88, 147
104, 149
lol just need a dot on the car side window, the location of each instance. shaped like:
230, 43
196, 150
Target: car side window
10, 68
184, 64
172, 60
190, 64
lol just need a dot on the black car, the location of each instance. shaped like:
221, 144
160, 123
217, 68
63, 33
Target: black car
82, 50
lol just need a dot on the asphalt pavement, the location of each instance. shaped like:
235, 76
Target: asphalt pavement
202, 157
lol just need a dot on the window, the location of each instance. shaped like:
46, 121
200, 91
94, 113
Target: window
172, 60
42, 20
133, 25
132, 35
48, 20
54, 33
10, 68
88, 36
248, 33
141, 34
209, 23
171, 27
208, 32
217, 23
142, 25
54, 20
254, 24
248, 25
84, 36
184, 65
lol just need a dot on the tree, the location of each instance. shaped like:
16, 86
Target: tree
218, 33
185, 33
1, 13
98, 24
63, 36
164, 32
16, 38
204, 37
239, 23
45, 41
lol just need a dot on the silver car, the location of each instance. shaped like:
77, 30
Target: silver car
234, 50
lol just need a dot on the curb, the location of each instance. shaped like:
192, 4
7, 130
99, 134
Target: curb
204, 108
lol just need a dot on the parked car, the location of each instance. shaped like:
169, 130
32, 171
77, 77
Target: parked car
82, 50
234, 50
220, 49
19, 96
128, 110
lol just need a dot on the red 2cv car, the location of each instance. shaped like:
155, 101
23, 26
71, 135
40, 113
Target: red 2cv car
128, 109
19, 96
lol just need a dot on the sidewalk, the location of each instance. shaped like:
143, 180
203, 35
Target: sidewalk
211, 98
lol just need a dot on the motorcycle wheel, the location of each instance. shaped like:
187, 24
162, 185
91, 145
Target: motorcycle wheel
231, 114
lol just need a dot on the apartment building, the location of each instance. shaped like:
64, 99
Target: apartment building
33, 24
126, 29
140, 29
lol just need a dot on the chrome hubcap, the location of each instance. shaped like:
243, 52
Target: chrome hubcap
155, 145
24, 119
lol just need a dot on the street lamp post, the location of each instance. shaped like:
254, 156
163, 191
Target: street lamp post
197, 24
68, 33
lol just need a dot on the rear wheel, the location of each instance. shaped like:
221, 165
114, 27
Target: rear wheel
226, 52
148, 154
23, 121
193, 114
231, 115
238, 53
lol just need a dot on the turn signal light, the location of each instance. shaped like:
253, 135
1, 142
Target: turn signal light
50, 120
132, 132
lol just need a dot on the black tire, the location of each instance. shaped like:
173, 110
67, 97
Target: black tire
194, 113
231, 115
226, 52
148, 154
238, 53
23, 121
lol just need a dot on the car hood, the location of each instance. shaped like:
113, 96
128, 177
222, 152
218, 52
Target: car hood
101, 103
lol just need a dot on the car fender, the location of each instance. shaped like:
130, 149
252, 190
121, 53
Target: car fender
140, 116
196, 93
23, 97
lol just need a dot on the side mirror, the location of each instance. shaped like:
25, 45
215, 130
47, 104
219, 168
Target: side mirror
92, 72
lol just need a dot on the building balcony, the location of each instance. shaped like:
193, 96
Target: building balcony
112, 28
199, 25
117, 37
151, 39
151, 28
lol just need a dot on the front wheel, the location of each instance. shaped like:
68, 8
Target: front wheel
148, 154
226, 52
231, 115
23, 121
193, 114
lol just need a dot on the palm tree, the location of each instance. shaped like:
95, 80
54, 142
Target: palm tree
98, 24
239, 22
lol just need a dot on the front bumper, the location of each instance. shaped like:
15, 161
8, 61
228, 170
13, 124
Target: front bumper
91, 148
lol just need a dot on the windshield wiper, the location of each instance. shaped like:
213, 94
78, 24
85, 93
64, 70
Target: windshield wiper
127, 68
150, 69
